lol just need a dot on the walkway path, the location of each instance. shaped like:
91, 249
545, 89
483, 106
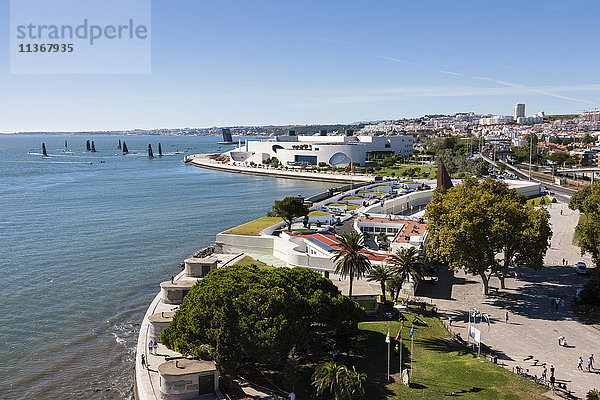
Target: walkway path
530, 338
202, 160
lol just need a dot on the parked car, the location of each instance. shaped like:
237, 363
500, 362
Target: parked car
581, 268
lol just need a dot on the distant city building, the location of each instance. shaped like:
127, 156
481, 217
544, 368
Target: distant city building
331, 150
519, 110
496, 119
534, 119
591, 116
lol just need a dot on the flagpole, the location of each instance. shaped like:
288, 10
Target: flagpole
479, 348
411, 351
388, 340
400, 351
388, 364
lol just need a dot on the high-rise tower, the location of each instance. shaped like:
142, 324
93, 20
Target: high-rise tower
519, 110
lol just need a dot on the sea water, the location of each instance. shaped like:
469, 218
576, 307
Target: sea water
85, 240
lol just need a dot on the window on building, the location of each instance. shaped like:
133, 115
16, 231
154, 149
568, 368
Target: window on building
306, 159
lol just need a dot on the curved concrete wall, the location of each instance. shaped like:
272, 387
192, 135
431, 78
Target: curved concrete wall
399, 204
262, 245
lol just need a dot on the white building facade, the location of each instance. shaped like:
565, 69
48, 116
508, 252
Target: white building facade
338, 151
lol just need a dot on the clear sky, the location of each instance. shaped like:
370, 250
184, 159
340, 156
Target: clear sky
247, 62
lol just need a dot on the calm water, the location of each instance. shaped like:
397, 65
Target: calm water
84, 245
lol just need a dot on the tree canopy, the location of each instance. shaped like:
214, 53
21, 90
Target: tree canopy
289, 209
239, 315
485, 228
587, 201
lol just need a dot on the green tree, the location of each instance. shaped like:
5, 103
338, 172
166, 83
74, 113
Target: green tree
289, 209
394, 285
339, 380
404, 264
473, 222
587, 201
251, 315
350, 260
382, 241
522, 233
380, 273
593, 394
228, 347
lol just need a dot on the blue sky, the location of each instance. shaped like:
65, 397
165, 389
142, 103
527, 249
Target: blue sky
246, 62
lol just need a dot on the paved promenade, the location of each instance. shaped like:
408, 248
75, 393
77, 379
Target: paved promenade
202, 160
530, 338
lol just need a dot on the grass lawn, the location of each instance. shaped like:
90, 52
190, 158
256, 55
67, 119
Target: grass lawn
351, 198
247, 260
349, 206
380, 187
440, 367
536, 201
253, 228
427, 172
318, 213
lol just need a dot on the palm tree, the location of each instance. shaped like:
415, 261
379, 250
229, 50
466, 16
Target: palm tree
331, 377
338, 380
593, 394
349, 260
380, 273
406, 263
394, 286
356, 382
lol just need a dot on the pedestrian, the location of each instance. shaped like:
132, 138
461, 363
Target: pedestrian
450, 320
551, 370
545, 374
565, 342
562, 303
560, 212
563, 261
580, 364
557, 303
292, 395
506, 317
172, 279
552, 380
560, 340
591, 362
150, 346
143, 361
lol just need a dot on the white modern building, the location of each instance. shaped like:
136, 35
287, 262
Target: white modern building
496, 120
338, 151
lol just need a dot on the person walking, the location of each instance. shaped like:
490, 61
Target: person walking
155, 346
450, 320
580, 364
150, 346
552, 380
560, 340
506, 317
545, 374
590, 364
551, 370
143, 361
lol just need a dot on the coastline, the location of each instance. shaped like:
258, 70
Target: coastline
202, 161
